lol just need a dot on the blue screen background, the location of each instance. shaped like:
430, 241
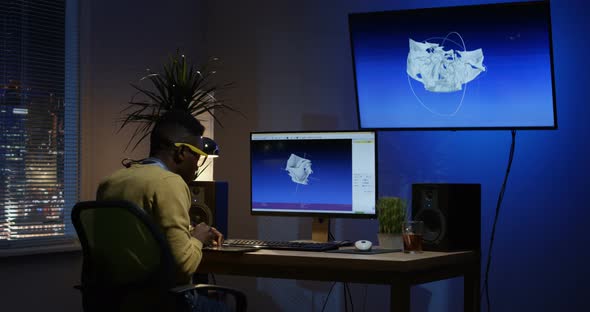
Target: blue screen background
539, 252
514, 91
330, 182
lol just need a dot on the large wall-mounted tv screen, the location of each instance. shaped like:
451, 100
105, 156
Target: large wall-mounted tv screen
465, 67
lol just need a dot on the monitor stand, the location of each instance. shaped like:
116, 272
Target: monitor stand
319, 229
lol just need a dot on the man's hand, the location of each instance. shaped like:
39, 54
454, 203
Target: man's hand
207, 235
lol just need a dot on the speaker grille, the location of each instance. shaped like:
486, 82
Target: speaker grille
435, 225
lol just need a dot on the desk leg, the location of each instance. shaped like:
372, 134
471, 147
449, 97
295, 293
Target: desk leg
471, 284
399, 298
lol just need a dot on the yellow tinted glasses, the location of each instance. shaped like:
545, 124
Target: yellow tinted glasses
195, 150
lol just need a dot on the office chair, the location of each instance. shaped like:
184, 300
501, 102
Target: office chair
128, 266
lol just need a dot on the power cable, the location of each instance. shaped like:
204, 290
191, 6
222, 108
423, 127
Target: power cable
328, 296
486, 287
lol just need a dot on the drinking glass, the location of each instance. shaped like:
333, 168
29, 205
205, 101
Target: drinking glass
412, 232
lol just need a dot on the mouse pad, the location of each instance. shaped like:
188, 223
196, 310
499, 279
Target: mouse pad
368, 252
231, 249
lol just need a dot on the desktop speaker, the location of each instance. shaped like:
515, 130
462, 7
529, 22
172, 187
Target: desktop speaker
209, 204
451, 215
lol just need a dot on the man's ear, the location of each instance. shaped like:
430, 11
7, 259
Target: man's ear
178, 155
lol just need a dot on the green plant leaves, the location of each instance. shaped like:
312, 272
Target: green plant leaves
391, 213
179, 86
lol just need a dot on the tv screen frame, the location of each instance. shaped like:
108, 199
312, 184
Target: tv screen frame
316, 214
403, 123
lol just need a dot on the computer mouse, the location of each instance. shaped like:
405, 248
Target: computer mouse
363, 245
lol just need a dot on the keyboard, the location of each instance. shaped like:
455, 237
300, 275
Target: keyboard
284, 245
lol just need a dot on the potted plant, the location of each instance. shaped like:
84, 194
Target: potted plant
178, 86
391, 213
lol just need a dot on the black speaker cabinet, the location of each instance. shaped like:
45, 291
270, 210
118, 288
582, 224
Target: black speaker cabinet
209, 204
451, 215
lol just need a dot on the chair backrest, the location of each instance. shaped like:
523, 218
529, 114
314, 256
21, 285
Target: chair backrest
127, 263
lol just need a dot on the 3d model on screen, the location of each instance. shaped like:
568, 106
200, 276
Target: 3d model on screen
443, 70
299, 169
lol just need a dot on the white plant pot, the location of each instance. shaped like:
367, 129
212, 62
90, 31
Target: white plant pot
390, 241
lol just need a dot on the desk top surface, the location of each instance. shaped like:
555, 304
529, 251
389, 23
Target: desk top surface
394, 261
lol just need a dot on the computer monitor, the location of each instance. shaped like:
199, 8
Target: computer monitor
320, 174
487, 66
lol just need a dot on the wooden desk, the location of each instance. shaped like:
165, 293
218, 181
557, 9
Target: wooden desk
398, 270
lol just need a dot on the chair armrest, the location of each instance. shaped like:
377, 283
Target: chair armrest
240, 297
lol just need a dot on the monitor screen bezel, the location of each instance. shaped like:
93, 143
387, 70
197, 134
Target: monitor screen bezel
313, 214
441, 9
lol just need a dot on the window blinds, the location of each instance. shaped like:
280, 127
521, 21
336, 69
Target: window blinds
38, 121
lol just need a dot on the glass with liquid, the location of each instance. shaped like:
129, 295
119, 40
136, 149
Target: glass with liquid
412, 232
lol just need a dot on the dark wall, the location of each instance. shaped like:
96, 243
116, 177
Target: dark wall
119, 40
291, 61
41, 282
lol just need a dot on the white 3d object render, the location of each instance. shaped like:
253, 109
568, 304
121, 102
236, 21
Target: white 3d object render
299, 169
441, 70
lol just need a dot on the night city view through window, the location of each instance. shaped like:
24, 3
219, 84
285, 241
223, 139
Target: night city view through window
32, 116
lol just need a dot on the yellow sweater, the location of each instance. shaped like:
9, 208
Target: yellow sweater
166, 197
